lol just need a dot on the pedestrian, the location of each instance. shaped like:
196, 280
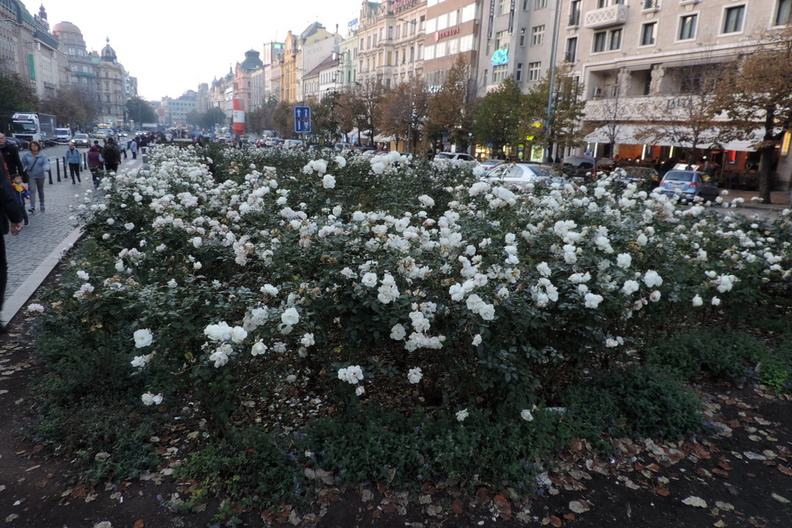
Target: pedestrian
74, 159
95, 163
10, 213
11, 155
133, 148
22, 194
36, 165
112, 155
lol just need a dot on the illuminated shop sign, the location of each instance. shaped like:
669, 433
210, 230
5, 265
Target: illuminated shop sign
446, 33
500, 57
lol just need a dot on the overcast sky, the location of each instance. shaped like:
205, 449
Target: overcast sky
173, 45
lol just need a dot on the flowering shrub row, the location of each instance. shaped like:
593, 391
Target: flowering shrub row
373, 279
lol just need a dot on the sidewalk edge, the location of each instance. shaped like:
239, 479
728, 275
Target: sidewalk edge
26, 290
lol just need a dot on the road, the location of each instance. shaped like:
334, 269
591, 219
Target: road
33, 253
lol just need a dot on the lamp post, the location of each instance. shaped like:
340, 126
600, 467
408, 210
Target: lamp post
551, 88
412, 80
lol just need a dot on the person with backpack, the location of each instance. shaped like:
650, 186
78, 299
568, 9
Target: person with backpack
95, 163
112, 155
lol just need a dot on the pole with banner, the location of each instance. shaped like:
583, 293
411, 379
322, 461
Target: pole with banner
302, 120
238, 119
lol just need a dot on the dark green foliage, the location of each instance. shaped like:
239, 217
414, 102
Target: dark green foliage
633, 402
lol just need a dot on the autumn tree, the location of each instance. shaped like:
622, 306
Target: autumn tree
140, 111
283, 119
451, 109
72, 107
687, 114
15, 96
403, 111
500, 119
560, 124
756, 94
263, 117
366, 105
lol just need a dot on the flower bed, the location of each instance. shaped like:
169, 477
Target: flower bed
232, 282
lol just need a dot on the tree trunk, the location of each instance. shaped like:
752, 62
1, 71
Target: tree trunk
766, 174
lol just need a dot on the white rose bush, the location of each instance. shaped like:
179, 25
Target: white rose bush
369, 282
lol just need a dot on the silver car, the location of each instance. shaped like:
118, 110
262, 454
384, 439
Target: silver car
688, 185
521, 174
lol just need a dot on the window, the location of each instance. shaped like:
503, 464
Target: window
687, 27
648, 34
733, 19
501, 40
783, 11
539, 4
499, 73
503, 8
571, 50
534, 70
522, 37
615, 39
518, 75
574, 13
537, 35
600, 38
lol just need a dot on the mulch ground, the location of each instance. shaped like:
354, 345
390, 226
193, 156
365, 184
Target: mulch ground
739, 477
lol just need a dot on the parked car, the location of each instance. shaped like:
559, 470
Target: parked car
453, 156
584, 166
293, 143
520, 174
688, 185
646, 177
490, 163
81, 140
341, 146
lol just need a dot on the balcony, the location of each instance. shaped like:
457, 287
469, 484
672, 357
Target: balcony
605, 17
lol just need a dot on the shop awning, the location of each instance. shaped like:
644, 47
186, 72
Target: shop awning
629, 134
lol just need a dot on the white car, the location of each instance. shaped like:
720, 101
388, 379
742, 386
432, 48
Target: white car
521, 174
453, 156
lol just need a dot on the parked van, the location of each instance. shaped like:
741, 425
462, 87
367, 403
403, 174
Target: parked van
63, 135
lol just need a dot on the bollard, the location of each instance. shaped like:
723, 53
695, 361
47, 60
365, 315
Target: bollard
50, 176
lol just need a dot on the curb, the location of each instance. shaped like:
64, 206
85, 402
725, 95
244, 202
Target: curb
26, 290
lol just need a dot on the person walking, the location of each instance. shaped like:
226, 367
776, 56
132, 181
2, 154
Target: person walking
11, 155
74, 159
11, 218
95, 163
133, 148
36, 165
112, 155
22, 194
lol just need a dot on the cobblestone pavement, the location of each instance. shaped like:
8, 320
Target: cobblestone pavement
48, 229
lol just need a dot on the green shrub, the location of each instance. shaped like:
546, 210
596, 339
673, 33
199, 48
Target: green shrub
633, 402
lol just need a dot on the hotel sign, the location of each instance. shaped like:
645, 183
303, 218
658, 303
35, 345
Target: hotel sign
446, 33
400, 5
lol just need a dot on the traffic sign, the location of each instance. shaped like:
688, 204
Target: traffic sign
302, 119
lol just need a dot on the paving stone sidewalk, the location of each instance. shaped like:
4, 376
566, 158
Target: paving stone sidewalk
32, 254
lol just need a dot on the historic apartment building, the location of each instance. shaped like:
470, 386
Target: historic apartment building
634, 57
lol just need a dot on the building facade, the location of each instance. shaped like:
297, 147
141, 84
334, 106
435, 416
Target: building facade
640, 61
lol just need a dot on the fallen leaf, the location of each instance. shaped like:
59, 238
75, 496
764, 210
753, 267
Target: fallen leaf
556, 521
696, 502
663, 492
140, 523
785, 470
779, 498
578, 507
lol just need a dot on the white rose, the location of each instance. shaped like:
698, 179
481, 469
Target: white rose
290, 317
143, 337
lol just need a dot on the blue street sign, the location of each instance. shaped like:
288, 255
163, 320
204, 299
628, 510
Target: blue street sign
302, 119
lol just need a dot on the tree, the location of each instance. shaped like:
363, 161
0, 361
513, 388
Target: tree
324, 120
567, 110
369, 96
15, 96
283, 119
500, 119
263, 117
350, 112
140, 111
756, 93
688, 117
403, 111
71, 106
451, 109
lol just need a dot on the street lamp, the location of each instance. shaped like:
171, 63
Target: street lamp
412, 80
551, 88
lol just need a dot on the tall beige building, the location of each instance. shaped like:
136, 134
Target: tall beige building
635, 58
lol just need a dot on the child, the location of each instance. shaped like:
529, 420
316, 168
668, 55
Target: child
22, 194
